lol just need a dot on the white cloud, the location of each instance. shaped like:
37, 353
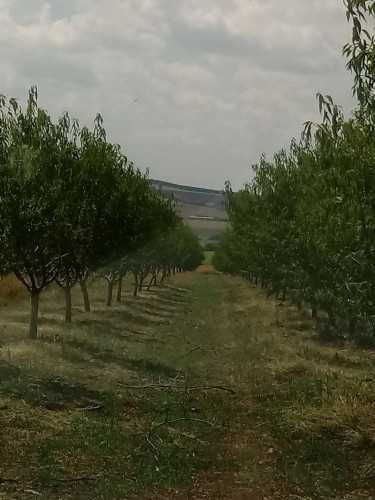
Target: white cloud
195, 90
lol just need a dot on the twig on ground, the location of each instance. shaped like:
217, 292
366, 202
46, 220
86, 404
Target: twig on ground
194, 349
212, 387
133, 338
179, 388
155, 451
33, 492
182, 419
136, 332
93, 408
76, 479
149, 386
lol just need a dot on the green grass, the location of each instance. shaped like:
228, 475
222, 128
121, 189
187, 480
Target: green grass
208, 256
301, 421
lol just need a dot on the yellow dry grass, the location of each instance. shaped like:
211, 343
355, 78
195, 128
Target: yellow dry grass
302, 421
11, 288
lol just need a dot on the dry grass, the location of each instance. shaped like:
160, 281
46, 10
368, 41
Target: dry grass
11, 288
302, 421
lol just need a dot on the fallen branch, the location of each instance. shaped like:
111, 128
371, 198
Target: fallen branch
194, 349
182, 419
136, 332
154, 449
33, 492
149, 386
132, 338
212, 387
76, 479
181, 388
93, 408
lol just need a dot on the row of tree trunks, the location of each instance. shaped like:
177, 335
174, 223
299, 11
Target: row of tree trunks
283, 295
139, 279
110, 292
153, 281
33, 329
119, 290
85, 294
68, 304
35, 299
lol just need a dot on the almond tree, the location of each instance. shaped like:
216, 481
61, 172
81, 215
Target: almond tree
31, 180
360, 52
70, 202
304, 226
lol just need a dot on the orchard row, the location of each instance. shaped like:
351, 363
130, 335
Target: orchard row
304, 226
71, 203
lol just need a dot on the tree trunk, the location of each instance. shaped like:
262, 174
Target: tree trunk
68, 304
352, 326
119, 291
314, 312
136, 285
150, 283
332, 319
153, 281
109, 293
33, 330
141, 281
85, 294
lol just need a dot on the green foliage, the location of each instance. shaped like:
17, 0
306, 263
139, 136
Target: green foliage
361, 52
173, 251
69, 200
304, 225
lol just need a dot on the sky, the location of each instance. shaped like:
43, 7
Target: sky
193, 90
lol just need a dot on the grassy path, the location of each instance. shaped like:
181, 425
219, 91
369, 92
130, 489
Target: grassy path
203, 389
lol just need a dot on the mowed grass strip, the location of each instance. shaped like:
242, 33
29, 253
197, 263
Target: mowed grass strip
119, 406
70, 425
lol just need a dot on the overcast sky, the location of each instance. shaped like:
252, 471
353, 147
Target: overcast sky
195, 90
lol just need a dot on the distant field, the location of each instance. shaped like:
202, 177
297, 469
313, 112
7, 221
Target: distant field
198, 202
206, 229
190, 210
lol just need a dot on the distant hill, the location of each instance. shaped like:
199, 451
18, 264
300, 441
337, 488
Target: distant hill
203, 209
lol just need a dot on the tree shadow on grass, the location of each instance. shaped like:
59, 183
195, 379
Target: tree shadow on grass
147, 308
51, 393
105, 355
126, 316
165, 300
154, 304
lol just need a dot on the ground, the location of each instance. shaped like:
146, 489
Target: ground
204, 388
